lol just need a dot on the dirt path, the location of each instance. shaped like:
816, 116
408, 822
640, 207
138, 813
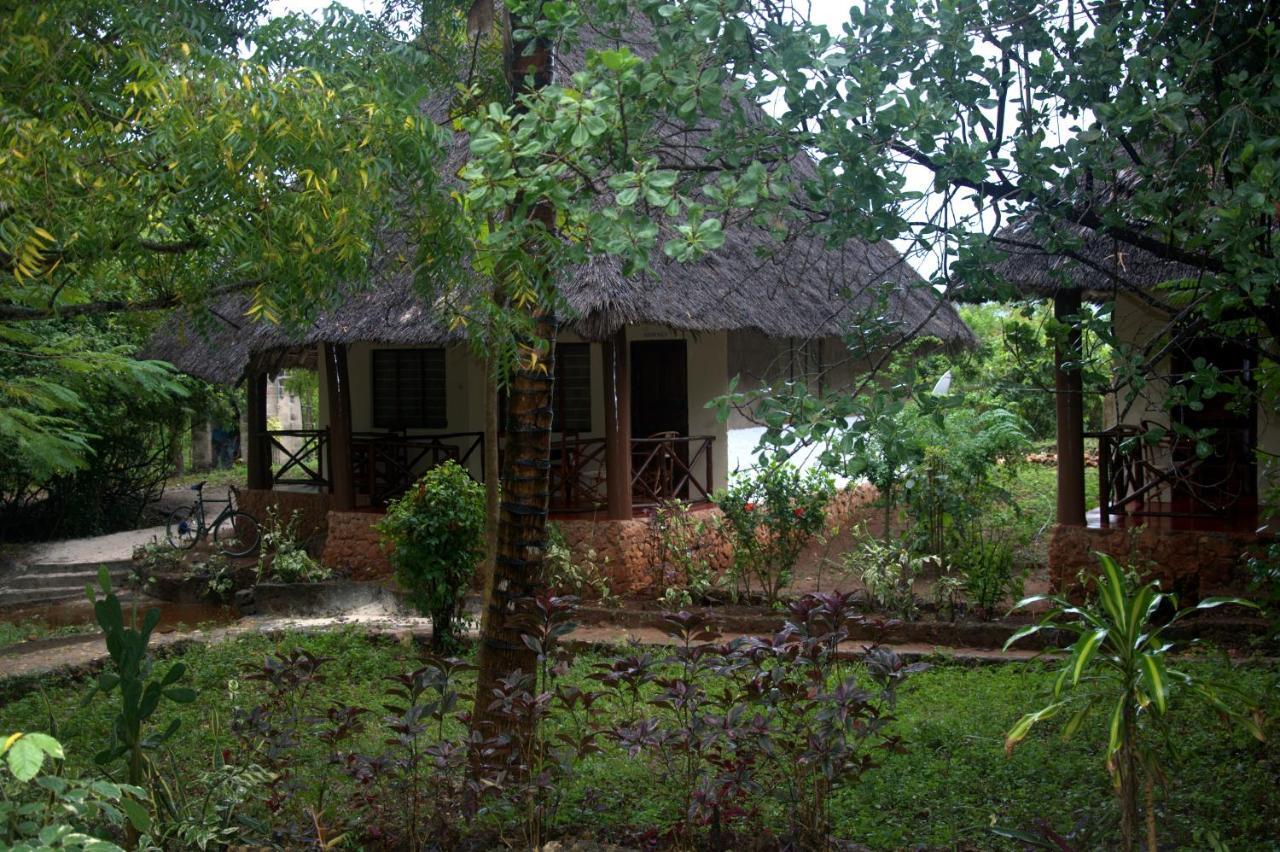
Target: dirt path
71, 656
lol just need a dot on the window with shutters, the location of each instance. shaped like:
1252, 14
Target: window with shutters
573, 388
409, 389
572, 409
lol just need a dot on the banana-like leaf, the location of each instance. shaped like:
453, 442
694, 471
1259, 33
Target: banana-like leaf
1077, 719
1028, 630
1019, 731
1157, 679
1210, 603
1115, 731
1084, 650
1111, 591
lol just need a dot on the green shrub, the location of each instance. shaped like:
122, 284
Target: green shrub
283, 556
770, 518
434, 536
887, 571
39, 812
583, 578
986, 564
685, 543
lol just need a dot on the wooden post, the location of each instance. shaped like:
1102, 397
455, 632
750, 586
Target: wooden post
617, 426
257, 449
1069, 394
341, 473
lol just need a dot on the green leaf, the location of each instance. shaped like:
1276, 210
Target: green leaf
1020, 730
1084, 651
24, 758
1111, 591
1028, 630
138, 815
1115, 730
1153, 668
1210, 603
180, 694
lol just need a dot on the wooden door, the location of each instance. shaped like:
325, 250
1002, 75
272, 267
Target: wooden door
1228, 477
659, 406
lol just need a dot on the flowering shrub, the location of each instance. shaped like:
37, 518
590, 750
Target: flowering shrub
434, 535
770, 517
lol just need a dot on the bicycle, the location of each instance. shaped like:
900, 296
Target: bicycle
235, 533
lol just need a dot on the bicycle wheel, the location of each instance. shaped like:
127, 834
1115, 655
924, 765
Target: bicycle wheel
182, 529
237, 534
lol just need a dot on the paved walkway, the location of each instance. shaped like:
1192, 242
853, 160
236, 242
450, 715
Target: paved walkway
116, 547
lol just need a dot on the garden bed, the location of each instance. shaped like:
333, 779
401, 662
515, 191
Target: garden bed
948, 783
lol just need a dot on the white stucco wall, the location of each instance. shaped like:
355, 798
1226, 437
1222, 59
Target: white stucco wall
464, 395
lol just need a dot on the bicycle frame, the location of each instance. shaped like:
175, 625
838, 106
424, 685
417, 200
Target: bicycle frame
202, 528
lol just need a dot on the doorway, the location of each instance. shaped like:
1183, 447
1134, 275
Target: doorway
659, 413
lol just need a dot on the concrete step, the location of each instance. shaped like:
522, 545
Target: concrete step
62, 578
15, 598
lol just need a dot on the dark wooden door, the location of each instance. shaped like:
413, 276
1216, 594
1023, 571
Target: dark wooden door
659, 407
659, 387
1228, 477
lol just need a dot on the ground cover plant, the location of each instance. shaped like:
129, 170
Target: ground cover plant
943, 782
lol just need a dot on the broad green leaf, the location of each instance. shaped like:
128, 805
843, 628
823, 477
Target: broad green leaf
1153, 669
1084, 651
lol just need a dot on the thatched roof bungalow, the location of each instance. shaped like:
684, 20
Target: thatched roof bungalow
638, 359
1159, 499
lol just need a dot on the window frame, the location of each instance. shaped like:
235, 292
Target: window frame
434, 412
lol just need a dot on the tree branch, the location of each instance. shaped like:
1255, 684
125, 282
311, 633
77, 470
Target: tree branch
22, 313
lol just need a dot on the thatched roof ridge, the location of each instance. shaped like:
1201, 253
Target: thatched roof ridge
791, 290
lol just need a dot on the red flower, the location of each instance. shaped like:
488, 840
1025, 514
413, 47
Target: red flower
749, 507
798, 511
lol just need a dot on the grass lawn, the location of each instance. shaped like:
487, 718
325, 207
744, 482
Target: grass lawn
950, 785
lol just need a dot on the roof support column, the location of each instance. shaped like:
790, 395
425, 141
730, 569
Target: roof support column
258, 449
617, 425
338, 384
1069, 396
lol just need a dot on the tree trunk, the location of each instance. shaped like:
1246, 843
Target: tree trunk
492, 474
517, 570
522, 525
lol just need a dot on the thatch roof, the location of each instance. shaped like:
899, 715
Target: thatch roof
789, 290
1098, 265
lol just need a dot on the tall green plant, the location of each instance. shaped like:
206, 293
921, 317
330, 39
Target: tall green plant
434, 536
1118, 663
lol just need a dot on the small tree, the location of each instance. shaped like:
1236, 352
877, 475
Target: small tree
434, 536
1117, 665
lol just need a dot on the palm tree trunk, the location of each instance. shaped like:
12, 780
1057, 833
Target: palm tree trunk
522, 524
517, 570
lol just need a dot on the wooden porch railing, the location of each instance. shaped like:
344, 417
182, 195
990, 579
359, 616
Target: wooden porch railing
1147, 470
385, 465
663, 467
305, 464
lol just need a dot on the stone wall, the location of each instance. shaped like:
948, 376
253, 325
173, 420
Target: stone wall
353, 546
1190, 563
633, 561
313, 509
628, 552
